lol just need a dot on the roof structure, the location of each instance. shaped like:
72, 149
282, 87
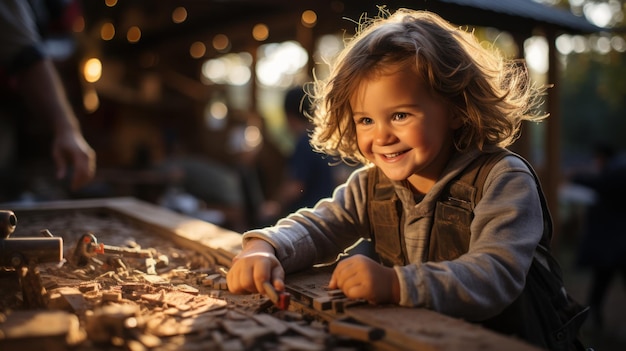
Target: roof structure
206, 16
510, 15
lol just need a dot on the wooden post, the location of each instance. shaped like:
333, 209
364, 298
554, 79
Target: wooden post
552, 170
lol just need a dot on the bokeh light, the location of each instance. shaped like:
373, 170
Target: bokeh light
107, 31
279, 63
133, 35
233, 69
92, 70
179, 15
309, 18
260, 32
197, 49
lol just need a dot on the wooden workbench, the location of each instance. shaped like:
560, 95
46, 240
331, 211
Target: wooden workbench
402, 328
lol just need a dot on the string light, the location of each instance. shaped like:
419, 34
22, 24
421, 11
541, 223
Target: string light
179, 15
221, 42
133, 35
92, 70
107, 31
197, 49
309, 18
260, 32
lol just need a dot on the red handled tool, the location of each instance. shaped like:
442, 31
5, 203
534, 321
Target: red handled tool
280, 299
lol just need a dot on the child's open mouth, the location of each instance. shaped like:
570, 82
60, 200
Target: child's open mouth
394, 155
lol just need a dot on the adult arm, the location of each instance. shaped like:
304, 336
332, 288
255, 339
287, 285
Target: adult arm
39, 84
41, 87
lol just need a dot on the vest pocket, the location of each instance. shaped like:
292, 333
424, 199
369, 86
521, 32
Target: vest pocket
450, 236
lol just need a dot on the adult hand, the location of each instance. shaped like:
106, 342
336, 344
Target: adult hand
360, 277
253, 266
69, 149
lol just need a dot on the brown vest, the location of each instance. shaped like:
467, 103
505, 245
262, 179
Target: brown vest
544, 314
449, 237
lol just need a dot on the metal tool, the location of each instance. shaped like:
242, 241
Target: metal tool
24, 254
88, 247
18, 252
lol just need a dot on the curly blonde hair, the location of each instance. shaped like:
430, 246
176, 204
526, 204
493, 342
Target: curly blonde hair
490, 93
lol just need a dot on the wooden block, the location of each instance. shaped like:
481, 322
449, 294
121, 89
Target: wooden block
355, 330
89, 286
148, 340
111, 296
134, 345
232, 345
322, 303
29, 330
177, 299
339, 304
248, 331
300, 343
187, 289
311, 333
271, 322
67, 298
336, 293
211, 279
109, 322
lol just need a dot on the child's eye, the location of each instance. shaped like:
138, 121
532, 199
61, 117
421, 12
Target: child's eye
364, 120
399, 115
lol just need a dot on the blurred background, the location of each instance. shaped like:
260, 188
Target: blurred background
183, 102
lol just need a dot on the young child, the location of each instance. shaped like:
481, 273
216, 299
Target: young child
419, 99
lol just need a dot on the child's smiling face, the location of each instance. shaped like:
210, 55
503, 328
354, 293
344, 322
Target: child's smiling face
402, 128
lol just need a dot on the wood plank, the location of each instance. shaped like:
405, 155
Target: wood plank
414, 328
202, 236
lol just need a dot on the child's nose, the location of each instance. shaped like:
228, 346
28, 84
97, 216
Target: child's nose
384, 135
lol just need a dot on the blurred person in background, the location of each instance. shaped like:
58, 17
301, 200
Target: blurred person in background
309, 176
27, 72
603, 244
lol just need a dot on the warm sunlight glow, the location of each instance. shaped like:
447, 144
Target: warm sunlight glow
536, 50
279, 63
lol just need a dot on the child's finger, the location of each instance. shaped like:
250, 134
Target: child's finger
278, 277
332, 284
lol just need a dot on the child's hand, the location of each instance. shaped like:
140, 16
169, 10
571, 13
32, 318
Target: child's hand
253, 266
360, 277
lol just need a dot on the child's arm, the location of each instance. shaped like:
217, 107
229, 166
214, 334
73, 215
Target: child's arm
255, 265
360, 277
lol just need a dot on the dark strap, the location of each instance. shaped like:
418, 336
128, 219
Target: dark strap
384, 211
